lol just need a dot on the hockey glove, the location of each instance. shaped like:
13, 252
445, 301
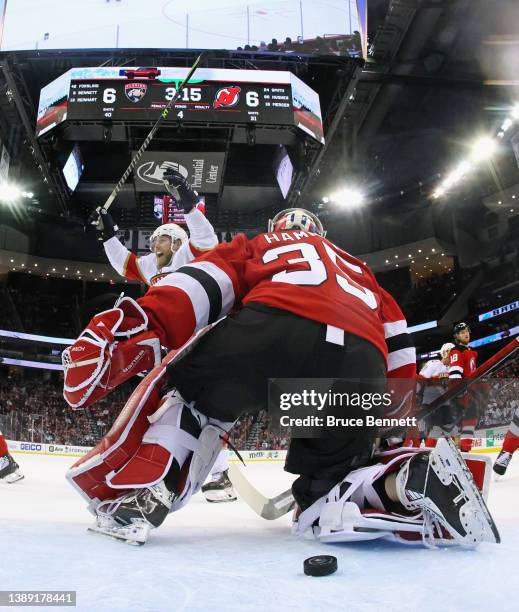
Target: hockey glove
105, 224
180, 189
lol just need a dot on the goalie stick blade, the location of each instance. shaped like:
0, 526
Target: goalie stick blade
279, 505
266, 507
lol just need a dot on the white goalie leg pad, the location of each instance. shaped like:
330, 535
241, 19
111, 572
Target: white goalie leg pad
166, 427
205, 453
337, 517
351, 525
166, 430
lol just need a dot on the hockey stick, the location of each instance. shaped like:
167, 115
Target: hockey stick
269, 508
488, 366
162, 117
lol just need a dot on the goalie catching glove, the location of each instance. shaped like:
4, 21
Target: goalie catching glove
113, 347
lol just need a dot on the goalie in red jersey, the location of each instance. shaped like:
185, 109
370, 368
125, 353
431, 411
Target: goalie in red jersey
302, 308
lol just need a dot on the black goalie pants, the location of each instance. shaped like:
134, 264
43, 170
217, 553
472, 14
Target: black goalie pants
227, 374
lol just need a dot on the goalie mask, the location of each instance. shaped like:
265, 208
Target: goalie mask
173, 231
296, 218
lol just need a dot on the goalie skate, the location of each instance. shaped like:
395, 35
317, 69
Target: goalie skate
9, 470
131, 517
441, 486
135, 534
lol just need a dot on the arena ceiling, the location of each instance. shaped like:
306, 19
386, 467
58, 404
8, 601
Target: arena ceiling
438, 74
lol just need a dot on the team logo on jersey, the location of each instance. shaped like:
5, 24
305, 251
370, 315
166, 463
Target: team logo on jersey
135, 91
227, 97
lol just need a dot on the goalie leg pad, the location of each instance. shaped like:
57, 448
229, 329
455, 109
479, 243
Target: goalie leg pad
173, 434
119, 445
353, 510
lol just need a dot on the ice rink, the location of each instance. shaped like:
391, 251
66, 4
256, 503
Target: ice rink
224, 557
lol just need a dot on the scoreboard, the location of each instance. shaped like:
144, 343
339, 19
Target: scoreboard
261, 97
206, 101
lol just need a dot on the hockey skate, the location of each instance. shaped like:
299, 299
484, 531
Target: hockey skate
440, 486
9, 470
502, 462
219, 488
131, 517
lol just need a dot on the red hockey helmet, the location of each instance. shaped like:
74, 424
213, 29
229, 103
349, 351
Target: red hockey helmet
296, 218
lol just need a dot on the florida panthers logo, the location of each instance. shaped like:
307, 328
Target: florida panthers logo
227, 96
135, 91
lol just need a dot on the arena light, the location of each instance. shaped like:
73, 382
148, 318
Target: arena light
453, 178
348, 198
9, 193
483, 148
439, 192
515, 112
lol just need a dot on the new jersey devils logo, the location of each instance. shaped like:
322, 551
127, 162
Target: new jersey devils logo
135, 91
227, 96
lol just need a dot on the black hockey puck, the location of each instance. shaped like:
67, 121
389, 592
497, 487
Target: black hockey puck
322, 565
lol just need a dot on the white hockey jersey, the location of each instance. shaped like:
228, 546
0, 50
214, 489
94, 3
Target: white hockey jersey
144, 269
433, 369
433, 389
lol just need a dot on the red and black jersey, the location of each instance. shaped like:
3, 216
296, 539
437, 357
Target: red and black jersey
462, 361
296, 271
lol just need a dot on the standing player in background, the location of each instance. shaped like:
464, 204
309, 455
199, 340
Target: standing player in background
462, 364
510, 445
171, 248
9, 470
435, 370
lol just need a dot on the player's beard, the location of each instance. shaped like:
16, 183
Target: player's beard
163, 259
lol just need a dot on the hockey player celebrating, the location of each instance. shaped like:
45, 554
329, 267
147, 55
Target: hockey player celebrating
170, 245
303, 309
9, 470
171, 248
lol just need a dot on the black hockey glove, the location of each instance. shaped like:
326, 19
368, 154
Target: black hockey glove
105, 225
180, 189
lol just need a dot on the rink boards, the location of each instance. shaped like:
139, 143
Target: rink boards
486, 441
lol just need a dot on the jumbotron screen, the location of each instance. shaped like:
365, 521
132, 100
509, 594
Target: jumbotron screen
308, 26
267, 97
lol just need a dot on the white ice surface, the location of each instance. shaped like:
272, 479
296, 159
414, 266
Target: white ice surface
223, 557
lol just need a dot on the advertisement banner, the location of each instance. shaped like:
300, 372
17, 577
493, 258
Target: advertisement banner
40, 448
143, 241
71, 450
202, 170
